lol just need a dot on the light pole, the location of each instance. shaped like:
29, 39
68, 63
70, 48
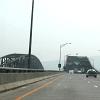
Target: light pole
30, 40
62, 45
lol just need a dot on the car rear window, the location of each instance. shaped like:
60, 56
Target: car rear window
91, 72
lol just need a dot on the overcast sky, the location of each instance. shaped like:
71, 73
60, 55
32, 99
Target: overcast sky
55, 22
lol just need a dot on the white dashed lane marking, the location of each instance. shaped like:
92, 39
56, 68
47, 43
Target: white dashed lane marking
95, 86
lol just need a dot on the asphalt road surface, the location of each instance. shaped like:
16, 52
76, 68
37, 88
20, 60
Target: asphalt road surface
64, 87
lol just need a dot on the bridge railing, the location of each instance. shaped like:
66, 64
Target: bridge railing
18, 70
22, 70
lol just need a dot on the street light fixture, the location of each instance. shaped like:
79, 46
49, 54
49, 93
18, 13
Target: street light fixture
62, 45
30, 40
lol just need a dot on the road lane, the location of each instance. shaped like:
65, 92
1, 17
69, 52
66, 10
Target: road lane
67, 87
70, 87
12, 94
36, 89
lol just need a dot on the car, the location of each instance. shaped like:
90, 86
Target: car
91, 72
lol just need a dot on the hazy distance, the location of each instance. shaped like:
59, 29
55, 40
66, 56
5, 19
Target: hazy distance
55, 22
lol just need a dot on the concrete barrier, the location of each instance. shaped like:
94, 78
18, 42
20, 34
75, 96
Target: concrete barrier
9, 86
14, 77
13, 80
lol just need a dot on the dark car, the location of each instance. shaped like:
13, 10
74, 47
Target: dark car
91, 72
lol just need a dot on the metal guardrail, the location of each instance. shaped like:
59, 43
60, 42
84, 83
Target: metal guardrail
15, 70
22, 70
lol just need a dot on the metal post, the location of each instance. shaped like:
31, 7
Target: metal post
59, 65
60, 55
30, 41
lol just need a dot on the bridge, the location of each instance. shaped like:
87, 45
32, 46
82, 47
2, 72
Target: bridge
19, 62
77, 63
40, 84
14, 71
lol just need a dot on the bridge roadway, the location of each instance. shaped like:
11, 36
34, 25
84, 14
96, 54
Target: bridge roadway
64, 87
